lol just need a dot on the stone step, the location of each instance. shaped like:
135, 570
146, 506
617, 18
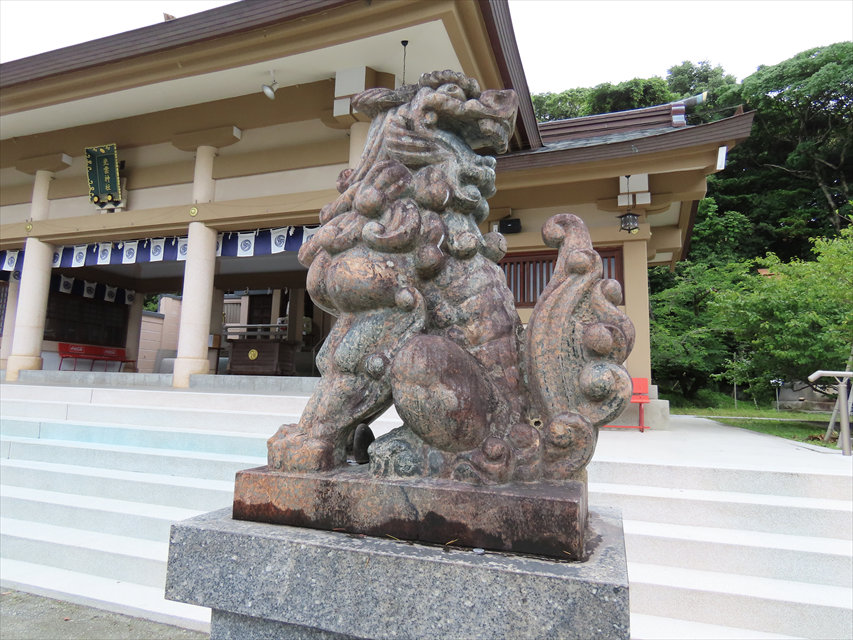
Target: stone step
728, 509
646, 627
211, 466
770, 555
91, 513
220, 383
141, 415
836, 486
161, 398
198, 440
109, 594
173, 409
93, 378
150, 488
775, 606
85, 551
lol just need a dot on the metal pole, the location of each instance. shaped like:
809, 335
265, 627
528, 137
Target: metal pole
844, 435
831, 426
777, 398
829, 429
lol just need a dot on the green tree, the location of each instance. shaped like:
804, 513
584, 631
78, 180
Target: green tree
689, 79
794, 318
804, 126
571, 103
688, 344
719, 237
631, 94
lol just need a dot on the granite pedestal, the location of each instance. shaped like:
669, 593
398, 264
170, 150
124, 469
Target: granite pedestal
273, 581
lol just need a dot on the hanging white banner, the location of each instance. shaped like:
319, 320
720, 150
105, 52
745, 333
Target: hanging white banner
278, 238
110, 294
219, 245
88, 289
65, 284
79, 259
105, 252
246, 244
11, 260
157, 249
182, 248
129, 296
128, 255
57, 257
307, 233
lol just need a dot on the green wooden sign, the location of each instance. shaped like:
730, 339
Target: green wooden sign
102, 173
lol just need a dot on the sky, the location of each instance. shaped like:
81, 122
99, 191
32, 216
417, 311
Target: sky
563, 43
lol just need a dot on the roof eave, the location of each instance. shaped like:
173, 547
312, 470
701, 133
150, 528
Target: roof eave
734, 129
223, 21
498, 23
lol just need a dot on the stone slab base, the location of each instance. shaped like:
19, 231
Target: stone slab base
273, 581
538, 518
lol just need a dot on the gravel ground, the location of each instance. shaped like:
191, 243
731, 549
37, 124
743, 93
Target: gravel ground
24, 616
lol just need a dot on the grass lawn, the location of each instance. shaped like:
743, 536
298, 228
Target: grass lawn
748, 411
801, 431
794, 425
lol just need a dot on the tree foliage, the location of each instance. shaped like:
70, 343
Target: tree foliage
795, 318
571, 103
603, 98
785, 194
719, 237
804, 124
688, 346
689, 79
631, 94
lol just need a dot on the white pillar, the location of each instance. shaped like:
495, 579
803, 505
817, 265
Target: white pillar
40, 205
357, 139
32, 307
34, 288
134, 332
195, 305
9, 317
204, 185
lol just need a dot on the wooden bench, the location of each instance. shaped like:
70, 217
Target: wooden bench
92, 353
640, 396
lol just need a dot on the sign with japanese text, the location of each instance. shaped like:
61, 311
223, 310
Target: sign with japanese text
102, 173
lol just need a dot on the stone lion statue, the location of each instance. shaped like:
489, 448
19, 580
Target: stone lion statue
425, 318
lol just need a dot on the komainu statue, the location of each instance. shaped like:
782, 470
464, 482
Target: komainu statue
425, 319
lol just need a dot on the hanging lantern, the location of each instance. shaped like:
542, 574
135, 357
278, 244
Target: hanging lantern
629, 222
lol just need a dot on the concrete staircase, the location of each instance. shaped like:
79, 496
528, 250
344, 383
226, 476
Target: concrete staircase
92, 478
728, 547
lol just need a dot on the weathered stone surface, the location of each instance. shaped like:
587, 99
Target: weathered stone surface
425, 317
259, 578
540, 518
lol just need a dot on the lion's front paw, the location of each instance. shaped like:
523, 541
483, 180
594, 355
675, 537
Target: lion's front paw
291, 449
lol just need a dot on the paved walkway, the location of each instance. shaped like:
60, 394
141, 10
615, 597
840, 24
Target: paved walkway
27, 617
699, 441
